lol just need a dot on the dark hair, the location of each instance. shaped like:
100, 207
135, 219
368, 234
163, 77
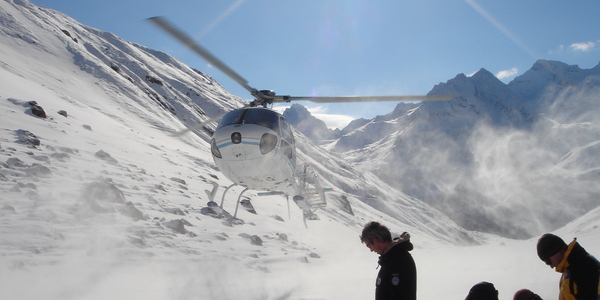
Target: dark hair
525, 294
374, 230
483, 291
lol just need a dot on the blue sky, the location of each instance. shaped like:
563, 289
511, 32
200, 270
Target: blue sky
360, 47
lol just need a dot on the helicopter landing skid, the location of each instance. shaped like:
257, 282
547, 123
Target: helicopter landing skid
308, 210
216, 211
212, 209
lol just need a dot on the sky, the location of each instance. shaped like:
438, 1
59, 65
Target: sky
339, 48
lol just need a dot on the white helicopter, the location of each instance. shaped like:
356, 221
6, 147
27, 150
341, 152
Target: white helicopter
254, 146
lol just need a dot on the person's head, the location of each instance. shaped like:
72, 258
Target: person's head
483, 291
551, 249
525, 294
377, 237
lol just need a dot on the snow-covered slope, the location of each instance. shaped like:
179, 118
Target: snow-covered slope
37, 39
99, 201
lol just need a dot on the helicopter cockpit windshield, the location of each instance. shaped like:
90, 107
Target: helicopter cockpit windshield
263, 117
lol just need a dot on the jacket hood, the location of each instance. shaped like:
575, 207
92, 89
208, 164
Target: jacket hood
400, 243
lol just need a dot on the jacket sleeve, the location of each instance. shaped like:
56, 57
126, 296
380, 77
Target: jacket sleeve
586, 278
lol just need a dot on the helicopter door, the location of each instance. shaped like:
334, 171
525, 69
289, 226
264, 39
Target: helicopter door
287, 139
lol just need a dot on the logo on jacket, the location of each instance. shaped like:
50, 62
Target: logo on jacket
395, 280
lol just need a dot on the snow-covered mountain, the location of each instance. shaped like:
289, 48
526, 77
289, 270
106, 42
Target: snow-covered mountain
494, 150
99, 201
302, 120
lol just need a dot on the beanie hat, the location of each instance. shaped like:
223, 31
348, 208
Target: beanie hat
483, 291
548, 245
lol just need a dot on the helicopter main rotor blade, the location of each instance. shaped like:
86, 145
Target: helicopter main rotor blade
198, 125
341, 99
261, 97
170, 28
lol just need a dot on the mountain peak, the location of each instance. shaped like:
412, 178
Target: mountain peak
486, 78
552, 66
296, 112
305, 122
544, 73
483, 72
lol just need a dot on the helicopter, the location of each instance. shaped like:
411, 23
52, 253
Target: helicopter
254, 146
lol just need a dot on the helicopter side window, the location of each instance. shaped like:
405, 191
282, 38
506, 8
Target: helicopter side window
287, 143
287, 149
286, 131
263, 117
232, 118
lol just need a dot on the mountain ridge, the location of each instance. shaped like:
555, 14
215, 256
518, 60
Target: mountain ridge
560, 119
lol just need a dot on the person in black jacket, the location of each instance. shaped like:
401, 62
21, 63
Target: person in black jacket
397, 278
580, 270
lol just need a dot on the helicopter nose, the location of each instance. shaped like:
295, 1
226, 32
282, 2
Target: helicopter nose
236, 137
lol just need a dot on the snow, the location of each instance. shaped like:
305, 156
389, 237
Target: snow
492, 157
109, 205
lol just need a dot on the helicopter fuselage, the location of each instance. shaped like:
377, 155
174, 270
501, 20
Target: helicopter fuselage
254, 148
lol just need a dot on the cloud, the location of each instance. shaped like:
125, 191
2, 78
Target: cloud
583, 47
575, 47
472, 73
332, 121
507, 73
